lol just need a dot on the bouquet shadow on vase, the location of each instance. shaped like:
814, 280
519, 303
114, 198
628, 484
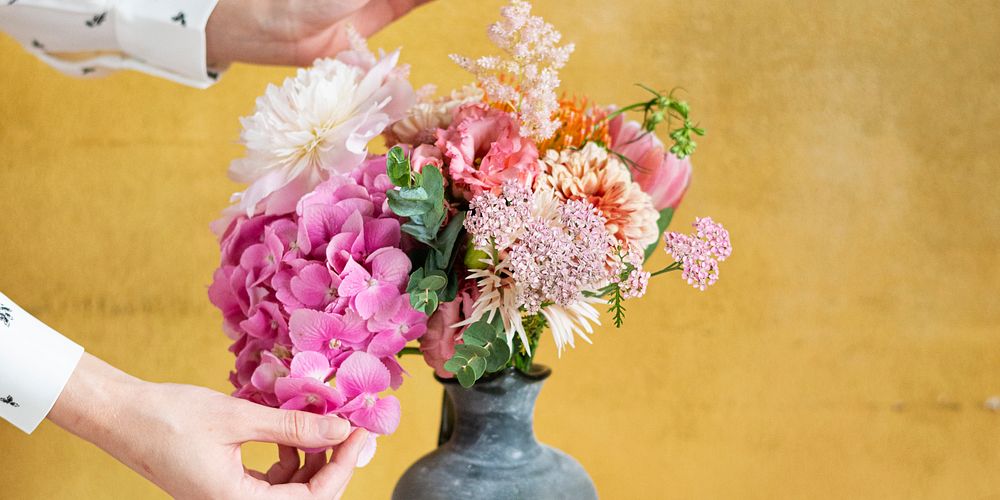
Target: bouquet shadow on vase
499, 212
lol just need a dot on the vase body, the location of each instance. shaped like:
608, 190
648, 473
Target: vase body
490, 450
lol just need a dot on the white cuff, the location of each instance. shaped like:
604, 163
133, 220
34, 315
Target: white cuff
35, 364
168, 35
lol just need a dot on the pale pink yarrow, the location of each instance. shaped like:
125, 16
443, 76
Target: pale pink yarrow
715, 235
700, 253
496, 220
635, 283
557, 260
533, 60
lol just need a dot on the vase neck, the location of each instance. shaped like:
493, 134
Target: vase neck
495, 415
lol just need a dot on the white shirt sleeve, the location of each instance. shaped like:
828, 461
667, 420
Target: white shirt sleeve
35, 364
164, 38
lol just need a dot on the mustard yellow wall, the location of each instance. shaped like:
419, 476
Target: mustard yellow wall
846, 352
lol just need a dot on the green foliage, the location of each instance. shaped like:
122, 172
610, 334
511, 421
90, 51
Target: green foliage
617, 308
398, 167
661, 223
489, 336
468, 364
421, 199
484, 350
665, 108
523, 355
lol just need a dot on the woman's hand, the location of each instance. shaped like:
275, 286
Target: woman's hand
293, 32
187, 439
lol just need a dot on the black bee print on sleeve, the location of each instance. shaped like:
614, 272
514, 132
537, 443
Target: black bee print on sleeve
179, 18
8, 399
97, 20
6, 315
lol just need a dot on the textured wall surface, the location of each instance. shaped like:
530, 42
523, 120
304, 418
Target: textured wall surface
846, 352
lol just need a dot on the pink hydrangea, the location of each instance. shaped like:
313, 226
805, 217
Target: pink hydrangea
660, 174
318, 295
483, 149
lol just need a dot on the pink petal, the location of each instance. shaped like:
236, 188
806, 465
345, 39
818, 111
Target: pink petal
390, 265
387, 343
396, 371
311, 364
360, 373
382, 299
312, 285
354, 280
271, 368
381, 233
368, 451
381, 418
310, 329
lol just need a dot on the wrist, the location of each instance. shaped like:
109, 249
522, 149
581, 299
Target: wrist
94, 402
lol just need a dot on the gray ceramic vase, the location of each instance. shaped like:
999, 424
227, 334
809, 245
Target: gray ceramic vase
487, 448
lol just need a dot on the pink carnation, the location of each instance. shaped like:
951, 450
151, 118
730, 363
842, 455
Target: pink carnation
483, 149
661, 175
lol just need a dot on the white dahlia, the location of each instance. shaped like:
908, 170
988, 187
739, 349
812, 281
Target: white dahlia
317, 123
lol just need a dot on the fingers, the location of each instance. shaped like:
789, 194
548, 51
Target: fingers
286, 466
314, 462
291, 428
332, 479
378, 13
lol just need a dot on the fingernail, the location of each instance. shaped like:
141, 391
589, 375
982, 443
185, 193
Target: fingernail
334, 428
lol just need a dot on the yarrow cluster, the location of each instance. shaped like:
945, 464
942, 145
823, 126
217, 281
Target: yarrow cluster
699, 254
497, 220
526, 80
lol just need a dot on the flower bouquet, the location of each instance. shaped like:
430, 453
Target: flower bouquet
499, 211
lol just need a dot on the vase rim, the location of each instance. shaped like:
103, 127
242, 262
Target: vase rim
538, 373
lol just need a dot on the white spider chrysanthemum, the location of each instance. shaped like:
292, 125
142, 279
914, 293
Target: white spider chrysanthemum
316, 123
566, 322
517, 278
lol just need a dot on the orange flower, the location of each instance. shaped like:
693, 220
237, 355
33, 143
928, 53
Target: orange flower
580, 123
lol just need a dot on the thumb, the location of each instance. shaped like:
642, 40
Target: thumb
291, 428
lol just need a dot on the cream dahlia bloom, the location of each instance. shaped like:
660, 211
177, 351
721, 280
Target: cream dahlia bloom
317, 123
429, 114
591, 174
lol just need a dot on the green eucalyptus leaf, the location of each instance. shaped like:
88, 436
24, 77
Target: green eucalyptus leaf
397, 166
415, 194
486, 335
468, 364
404, 207
433, 282
661, 223
433, 182
415, 277
431, 304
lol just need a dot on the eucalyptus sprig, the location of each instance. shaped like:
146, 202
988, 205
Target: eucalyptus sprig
420, 197
667, 108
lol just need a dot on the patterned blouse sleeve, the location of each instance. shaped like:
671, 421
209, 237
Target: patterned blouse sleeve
164, 38
35, 364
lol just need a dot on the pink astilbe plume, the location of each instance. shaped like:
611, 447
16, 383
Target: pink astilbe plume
527, 77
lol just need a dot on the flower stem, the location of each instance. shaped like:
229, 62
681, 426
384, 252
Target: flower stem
676, 266
409, 350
